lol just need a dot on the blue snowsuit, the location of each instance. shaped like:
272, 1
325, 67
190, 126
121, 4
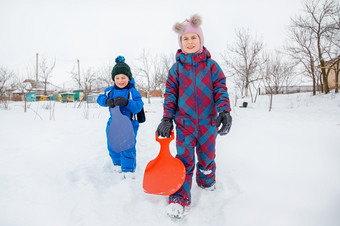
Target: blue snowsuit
125, 159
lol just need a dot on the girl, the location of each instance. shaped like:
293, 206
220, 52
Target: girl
196, 99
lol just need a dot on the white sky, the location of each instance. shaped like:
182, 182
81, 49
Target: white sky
97, 31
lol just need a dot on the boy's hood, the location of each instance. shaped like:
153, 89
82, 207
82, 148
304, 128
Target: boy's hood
132, 82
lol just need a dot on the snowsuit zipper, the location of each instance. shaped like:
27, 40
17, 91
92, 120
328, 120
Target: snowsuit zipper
195, 88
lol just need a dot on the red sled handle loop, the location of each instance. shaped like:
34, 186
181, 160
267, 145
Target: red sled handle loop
165, 153
167, 139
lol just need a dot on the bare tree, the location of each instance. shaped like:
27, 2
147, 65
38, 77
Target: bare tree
26, 83
243, 60
277, 74
162, 67
5, 79
46, 72
301, 50
145, 73
87, 80
320, 19
158, 73
25, 88
104, 76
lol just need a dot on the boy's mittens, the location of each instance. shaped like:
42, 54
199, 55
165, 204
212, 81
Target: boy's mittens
110, 103
226, 120
165, 127
122, 101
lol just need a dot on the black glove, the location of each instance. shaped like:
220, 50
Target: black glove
109, 103
122, 101
226, 120
165, 127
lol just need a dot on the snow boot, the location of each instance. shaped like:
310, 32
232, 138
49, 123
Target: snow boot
175, 210
210, 188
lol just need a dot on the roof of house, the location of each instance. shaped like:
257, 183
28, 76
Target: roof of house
38, 85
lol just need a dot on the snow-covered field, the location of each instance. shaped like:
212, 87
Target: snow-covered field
274, 169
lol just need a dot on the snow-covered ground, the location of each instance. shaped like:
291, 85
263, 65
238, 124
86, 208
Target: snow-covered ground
273, 168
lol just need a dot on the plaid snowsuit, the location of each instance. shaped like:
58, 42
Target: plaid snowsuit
195, 92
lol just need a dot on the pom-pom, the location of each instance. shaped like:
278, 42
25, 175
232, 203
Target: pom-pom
178, 28
196, 20
120, 59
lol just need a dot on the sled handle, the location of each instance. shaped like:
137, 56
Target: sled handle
165, 146
167, 139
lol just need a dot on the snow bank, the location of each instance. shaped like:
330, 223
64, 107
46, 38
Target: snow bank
274, 168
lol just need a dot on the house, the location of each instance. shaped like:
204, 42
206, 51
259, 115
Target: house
333, 67
43, 98
290, 89
30, 96
56, 96
154, 93
38, 87
78, 95
17, 95
92, 98
298, 89
67, 97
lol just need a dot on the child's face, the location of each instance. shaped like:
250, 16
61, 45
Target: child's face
191, 42
121, 80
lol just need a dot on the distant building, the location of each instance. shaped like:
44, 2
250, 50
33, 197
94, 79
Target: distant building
17, 95
291, 89
30, 96
67, 97
92, 98
333, 66
56, 96
78, 95
39, 89
43, 98
154, 93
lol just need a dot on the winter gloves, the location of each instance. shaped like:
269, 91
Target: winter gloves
165, 127
226, 120
121, 101
110, 103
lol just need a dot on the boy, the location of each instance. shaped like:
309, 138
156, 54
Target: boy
129, 100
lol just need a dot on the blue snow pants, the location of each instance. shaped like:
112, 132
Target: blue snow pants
202, 139
125, 159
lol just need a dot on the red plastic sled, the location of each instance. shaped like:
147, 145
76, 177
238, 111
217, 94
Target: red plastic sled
165, 174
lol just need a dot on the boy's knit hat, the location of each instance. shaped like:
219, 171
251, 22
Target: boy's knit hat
193, 25
121, 68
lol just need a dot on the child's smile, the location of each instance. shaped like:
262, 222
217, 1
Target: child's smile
121, 80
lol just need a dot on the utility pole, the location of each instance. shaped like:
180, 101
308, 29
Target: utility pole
36, 70
78, 73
